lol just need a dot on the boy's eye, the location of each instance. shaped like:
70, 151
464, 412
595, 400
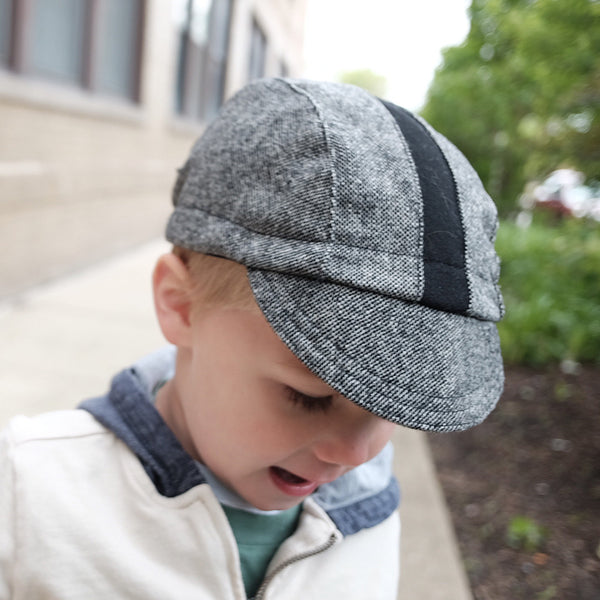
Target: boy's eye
309, 403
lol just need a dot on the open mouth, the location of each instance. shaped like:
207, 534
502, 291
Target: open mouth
288, 476
290, 483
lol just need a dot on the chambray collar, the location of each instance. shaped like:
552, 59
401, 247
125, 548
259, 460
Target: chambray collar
360, 499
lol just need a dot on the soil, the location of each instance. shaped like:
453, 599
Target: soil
523, 488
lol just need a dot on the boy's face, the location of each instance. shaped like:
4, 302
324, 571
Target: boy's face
268, 428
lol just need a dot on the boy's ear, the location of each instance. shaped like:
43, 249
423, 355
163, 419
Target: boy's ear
170, 284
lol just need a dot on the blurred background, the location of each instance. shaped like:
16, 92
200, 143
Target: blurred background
101, 100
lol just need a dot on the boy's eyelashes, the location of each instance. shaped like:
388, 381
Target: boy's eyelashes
309, 403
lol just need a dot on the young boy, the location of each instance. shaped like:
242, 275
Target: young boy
333, 275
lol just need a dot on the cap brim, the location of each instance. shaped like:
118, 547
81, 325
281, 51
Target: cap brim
410, 364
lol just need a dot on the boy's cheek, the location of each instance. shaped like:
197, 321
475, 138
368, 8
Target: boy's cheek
385, 435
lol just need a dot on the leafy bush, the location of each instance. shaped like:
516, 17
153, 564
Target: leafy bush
551, 286
524, 533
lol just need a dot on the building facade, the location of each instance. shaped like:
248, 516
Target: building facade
100, 102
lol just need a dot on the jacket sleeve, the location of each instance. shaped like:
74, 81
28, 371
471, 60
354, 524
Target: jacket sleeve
7, 518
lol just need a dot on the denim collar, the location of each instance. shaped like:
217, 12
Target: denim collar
359, 499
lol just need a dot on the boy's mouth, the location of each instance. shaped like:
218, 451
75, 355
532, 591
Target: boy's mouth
288, 476
290, 483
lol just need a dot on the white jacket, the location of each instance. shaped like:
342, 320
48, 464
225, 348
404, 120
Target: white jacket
87, 511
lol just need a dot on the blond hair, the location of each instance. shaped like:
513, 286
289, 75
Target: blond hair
216, 281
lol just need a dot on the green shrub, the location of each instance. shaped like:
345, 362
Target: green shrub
524, 533
551, 285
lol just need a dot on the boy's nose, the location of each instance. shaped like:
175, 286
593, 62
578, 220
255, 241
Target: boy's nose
351, 445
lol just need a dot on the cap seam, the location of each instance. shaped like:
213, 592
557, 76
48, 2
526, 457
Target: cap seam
459, 204
330, 152
325, 242
409, 157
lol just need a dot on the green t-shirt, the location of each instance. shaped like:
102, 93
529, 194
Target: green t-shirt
258, 536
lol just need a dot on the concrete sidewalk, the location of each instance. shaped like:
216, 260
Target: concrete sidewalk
62, 343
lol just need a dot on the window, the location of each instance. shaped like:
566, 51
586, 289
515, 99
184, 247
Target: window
203, 27
56, 37
91, 44
258, 52
118, 47
5, 31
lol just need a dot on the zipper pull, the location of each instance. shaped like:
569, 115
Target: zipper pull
328, 544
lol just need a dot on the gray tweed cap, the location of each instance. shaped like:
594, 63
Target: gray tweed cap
369, 244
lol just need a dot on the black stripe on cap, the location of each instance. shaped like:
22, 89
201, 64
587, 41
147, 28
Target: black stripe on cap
446, 285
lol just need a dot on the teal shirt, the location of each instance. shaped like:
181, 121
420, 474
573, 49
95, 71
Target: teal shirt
258, 537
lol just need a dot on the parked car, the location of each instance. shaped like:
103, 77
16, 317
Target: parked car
564, 193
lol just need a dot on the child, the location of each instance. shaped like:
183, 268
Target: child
333, 275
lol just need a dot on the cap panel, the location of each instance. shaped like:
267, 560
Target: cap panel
480, 220
264, 164
376, 194
446, 285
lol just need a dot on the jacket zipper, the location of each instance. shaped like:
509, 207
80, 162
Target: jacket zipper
261, 591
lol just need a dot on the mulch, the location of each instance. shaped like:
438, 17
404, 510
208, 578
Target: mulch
523, 488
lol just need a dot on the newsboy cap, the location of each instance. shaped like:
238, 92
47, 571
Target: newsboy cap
368, 240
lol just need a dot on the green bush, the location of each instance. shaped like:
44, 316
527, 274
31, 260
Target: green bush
551, 285
523, 533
